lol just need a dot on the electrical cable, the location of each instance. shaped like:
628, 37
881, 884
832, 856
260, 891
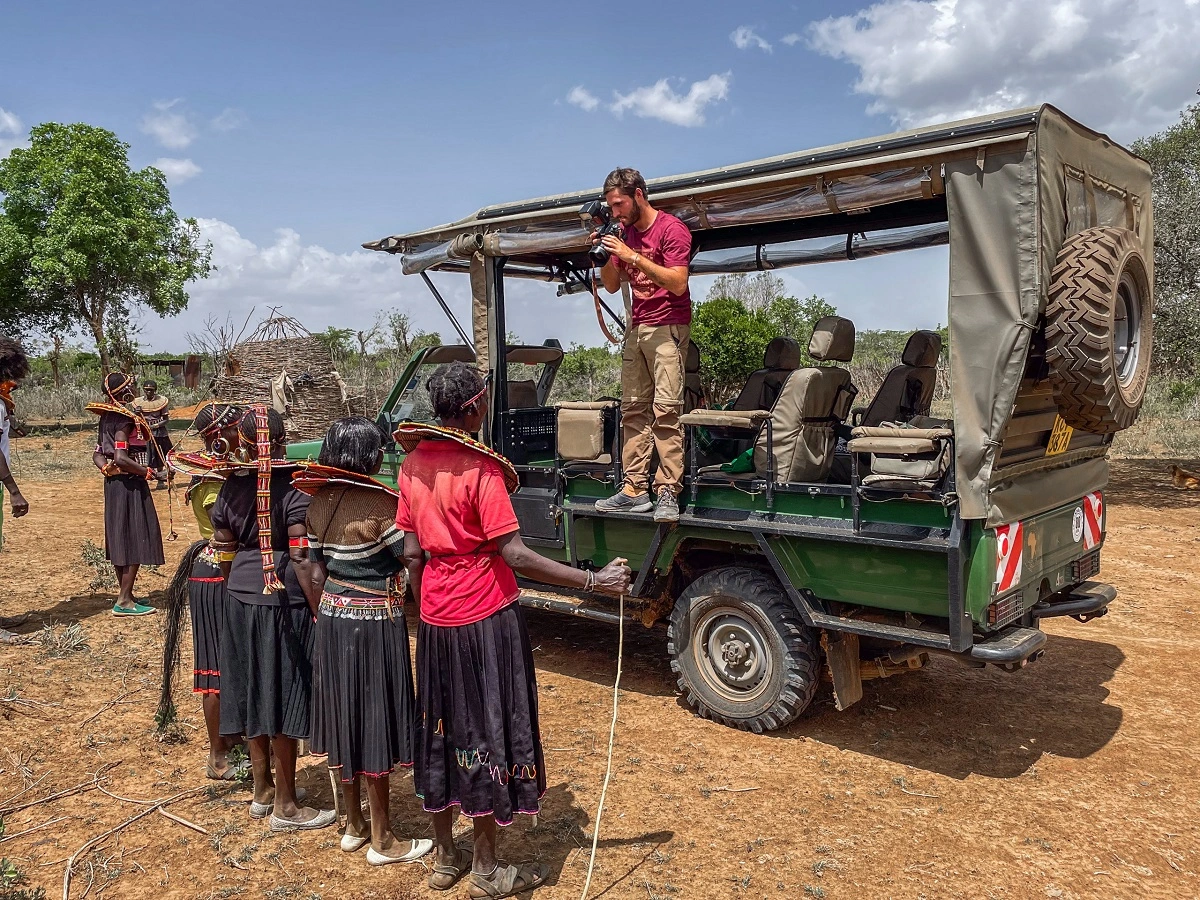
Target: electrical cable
612, 733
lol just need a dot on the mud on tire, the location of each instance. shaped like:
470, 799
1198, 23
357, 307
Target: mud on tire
1098, 329
742, 654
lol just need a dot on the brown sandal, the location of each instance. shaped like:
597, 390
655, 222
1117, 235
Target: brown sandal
446, 877
507, 881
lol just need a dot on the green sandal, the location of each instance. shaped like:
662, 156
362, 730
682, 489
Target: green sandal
138, 609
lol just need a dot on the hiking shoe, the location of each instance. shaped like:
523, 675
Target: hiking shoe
622, 502
668, 507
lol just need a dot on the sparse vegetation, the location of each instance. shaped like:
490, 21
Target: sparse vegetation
103, 577
12, 881
58, 643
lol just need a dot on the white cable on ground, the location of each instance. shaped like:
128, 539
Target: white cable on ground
612, 733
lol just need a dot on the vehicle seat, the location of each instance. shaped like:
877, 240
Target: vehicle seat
522, 394
907, 390
693, 390
782, 357
585, 430
812, 402
911, 458
803, 419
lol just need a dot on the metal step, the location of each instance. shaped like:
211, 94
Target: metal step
583, 607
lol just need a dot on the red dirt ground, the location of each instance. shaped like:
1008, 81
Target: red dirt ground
1075, 777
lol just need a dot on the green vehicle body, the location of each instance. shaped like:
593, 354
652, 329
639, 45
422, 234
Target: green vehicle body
836, 576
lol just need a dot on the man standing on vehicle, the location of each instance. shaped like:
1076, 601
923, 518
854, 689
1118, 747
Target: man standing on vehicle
653, 258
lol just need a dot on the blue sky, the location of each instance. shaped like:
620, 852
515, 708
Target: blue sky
296, 131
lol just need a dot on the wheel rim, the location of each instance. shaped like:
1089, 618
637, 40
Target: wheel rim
1127, 329
731, 655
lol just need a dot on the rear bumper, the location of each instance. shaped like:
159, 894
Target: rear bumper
1010, 648
1088, 600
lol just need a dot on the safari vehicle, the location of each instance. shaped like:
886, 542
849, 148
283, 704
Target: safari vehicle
911, 536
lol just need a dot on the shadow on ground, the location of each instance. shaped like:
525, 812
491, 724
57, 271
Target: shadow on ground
1147, 482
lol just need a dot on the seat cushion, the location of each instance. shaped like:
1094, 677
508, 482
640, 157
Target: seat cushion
802, 424
586, 404
580, 433
725, 418
522, 394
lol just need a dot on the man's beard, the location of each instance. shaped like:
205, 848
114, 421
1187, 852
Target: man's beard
636, 215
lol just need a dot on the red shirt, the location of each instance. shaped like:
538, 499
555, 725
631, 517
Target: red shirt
455, 501
667, 242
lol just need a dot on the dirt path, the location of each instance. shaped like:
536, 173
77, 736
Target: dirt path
1072, 778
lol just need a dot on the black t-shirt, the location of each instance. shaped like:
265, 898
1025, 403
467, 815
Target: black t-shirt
110, 424
236, 511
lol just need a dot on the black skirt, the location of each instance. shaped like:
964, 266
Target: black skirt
206, 600
363, 705
266, 669
478, 745
131, 533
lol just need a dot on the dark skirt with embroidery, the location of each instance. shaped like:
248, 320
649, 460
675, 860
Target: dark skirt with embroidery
206, 602
266, 669
132, 536
363, 706
478, 745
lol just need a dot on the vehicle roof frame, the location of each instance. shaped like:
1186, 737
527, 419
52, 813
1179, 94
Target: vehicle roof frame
999, 182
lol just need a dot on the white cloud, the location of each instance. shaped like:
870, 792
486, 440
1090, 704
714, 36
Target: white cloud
322, 287
791, 39
11, 133
177, 170
745, 37
1124, 66
169, 126
228, 119
583, 98
659, 101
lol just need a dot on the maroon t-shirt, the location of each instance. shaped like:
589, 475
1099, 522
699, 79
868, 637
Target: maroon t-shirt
667, 242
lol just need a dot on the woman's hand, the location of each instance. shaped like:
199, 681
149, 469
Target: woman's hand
613, 578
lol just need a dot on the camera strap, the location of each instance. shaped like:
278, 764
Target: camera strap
600, 312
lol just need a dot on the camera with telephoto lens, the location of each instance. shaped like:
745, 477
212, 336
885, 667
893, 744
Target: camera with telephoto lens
596, 216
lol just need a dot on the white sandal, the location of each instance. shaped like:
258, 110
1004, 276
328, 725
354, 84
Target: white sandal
262, 810
322, 819
419, 848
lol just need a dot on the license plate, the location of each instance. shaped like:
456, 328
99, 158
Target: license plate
1060, 437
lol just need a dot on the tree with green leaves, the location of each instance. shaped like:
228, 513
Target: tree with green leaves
1174, 156
732, 341
83, 237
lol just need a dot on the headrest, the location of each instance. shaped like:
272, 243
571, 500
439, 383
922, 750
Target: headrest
692, 363
922, 349
782, 353
832, 340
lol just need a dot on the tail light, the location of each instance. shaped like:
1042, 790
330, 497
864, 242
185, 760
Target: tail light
1006, 609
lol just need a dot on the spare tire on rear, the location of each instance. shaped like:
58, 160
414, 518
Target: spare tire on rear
1098, 329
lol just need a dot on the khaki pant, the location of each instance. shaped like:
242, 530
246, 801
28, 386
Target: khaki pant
651, 403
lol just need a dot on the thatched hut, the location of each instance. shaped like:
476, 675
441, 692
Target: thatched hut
281, 363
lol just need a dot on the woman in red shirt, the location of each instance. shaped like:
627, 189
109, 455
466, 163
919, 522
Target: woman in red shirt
477, 742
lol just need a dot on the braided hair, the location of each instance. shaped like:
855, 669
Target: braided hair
451, 388
117, 384
248, 428
214, 416
14, 364
352, 444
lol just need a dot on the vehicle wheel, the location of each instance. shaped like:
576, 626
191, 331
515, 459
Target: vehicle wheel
1098, 329
743, 655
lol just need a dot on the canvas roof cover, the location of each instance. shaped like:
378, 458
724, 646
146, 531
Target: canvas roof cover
1003, 190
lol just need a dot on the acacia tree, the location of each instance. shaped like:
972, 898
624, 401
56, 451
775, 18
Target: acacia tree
83, 237
1174, 156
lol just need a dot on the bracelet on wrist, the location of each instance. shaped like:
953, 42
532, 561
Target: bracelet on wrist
589, 584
